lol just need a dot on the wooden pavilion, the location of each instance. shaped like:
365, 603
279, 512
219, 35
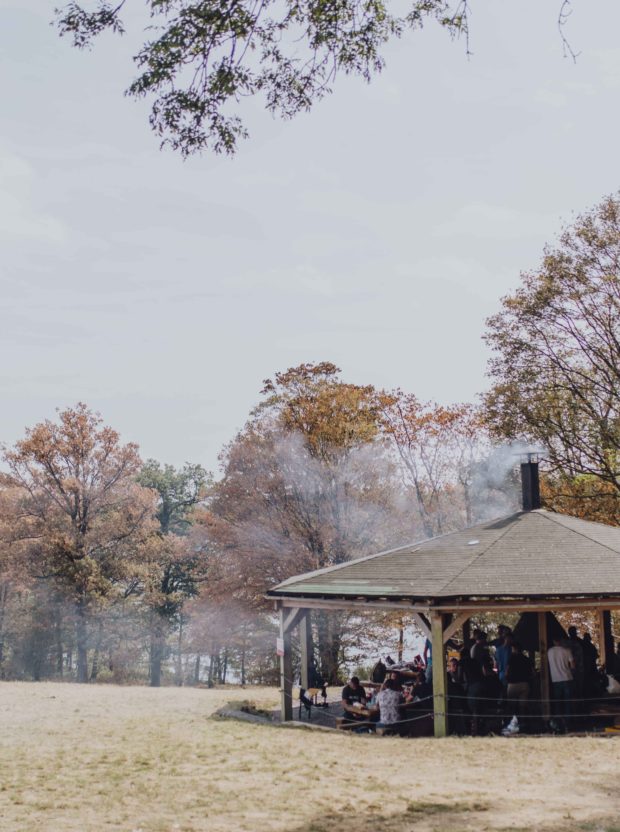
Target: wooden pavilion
531, 561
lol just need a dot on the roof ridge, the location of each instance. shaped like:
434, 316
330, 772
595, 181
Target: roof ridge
479, 555
554, 515
336, 566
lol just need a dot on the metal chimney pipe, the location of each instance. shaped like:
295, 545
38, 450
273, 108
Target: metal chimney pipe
530, 486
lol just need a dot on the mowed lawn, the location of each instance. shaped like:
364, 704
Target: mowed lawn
131, 758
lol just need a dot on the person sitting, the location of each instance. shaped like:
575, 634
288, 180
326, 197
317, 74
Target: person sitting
395, 677
388, 700
353, 697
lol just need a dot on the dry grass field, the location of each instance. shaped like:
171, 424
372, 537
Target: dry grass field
114, 758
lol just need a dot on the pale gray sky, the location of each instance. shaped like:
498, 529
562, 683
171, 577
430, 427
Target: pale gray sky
377, 232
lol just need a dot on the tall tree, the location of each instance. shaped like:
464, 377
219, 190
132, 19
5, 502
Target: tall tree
441, 451
174, 575
556, 352
307, 484
81, 520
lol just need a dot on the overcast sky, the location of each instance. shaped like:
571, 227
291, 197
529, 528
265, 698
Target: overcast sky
378, 232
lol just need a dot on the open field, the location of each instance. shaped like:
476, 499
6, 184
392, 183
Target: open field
120, 758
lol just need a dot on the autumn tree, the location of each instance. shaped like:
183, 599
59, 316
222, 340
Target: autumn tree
308, 483
445, 458
556, 357
174, 574
80, 520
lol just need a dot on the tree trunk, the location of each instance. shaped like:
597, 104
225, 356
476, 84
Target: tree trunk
211, 667
156, 651
179, 663
197, 670
95, 668
58, 635
329, 626
4, 594
81, 637
243, 647
224, 667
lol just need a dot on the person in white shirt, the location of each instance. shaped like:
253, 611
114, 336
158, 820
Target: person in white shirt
561, 667
388, 700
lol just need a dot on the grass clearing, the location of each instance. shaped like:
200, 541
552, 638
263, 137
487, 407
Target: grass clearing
84, 759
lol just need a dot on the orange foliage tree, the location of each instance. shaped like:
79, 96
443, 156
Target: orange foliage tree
308, 483
78, 520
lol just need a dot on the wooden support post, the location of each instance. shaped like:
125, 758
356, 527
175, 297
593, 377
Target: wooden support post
305, 643
545, 683
440, 677
606, 641
286, 667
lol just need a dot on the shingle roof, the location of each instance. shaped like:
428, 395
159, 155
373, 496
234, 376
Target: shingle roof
528, 554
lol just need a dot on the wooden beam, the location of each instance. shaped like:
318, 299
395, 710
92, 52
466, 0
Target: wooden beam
292, 618
452, 606
286, 671
422, 625
343, 604
440, 677
454, 625
305, 642
545, 683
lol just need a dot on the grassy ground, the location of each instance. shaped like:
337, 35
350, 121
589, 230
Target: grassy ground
111, 758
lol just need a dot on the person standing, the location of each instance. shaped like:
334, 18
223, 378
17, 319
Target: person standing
590, 669
575, 645
519, 673
479, 651
503, 651
561, 666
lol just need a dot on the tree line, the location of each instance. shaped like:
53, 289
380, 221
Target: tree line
114, 568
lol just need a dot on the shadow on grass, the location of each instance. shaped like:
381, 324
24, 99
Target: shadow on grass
428, 816
418, 815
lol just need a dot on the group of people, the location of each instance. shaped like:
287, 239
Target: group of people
489, 676
384, 705
488, 679
502, 683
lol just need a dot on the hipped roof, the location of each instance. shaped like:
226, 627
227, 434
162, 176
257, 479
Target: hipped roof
530, 554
